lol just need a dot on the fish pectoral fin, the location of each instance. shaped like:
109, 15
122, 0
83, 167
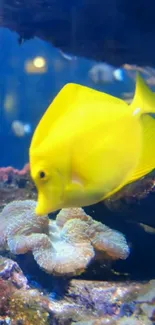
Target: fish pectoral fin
78, 195
147, 160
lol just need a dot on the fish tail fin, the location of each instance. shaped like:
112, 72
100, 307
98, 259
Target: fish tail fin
144, 100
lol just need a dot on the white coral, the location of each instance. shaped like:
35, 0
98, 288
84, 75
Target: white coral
62, 246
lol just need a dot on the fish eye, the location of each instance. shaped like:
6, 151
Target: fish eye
42, 174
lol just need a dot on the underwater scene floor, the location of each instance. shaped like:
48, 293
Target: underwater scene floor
77, 266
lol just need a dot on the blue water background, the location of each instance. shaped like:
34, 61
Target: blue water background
34, 92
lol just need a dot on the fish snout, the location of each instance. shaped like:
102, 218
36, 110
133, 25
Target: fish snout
45, 205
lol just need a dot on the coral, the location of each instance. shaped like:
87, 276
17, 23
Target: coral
62, 246
16, 185
8, 172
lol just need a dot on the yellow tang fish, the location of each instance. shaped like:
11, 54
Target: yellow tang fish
89, 144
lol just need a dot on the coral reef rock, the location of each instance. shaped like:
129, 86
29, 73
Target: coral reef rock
64, 246
91, 29
135, 202
81, 303
107, 303
19, 304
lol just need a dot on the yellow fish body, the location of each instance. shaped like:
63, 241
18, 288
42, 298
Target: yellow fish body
89, 144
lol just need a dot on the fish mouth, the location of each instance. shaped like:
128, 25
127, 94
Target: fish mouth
46, 206
39, 212
42, 211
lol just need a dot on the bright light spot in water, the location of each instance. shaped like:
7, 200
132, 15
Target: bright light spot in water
39, 62
20, 129
118, 74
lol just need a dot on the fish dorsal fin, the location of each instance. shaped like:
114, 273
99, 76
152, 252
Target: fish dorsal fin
58, 107
71, 97
147, 160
